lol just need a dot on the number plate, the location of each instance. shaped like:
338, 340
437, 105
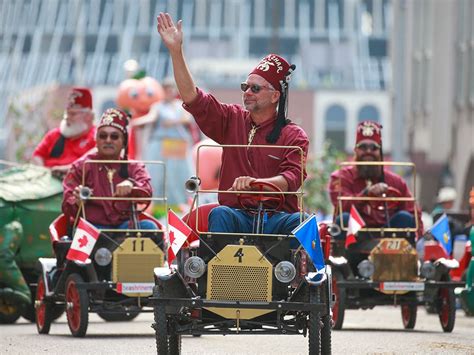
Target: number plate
130, 287
402, 286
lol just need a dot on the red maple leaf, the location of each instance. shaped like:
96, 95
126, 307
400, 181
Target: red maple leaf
83, 241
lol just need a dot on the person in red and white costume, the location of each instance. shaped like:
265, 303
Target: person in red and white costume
374, 181
74, 137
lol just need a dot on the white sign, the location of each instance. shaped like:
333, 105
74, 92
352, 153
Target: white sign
141, 287
402, 286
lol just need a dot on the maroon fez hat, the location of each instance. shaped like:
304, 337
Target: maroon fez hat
369, 130
273, 69
116, 118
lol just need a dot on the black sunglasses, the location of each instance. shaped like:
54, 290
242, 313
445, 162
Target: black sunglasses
368, 146
113, 136
255, 88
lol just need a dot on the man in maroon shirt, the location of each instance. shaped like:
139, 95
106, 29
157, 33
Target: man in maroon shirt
374, 181
107, 179
74, 137
259, 122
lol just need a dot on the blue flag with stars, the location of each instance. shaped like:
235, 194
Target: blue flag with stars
308, 235
440, 230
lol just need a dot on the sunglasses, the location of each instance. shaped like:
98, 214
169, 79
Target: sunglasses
113, 136
255, 88
368, 146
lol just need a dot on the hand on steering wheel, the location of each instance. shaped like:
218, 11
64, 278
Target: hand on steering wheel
124, 207
389, 205
250, 201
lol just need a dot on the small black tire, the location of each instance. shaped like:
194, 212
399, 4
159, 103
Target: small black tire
314, 323
409, 315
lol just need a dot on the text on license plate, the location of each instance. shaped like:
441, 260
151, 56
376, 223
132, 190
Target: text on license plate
402, 286
139, 287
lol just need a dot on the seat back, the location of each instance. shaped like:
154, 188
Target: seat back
201, 214
58, 228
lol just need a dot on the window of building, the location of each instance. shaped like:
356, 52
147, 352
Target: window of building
335, 126
368, 112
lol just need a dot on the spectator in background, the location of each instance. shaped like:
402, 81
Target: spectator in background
169, 141
444, 201
74, 137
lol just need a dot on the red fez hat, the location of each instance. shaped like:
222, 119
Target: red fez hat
80, 98
273, 69
369, 130
116, 118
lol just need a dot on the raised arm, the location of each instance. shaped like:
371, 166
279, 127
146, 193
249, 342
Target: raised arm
172, 36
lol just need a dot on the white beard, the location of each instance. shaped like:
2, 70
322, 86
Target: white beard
73, 130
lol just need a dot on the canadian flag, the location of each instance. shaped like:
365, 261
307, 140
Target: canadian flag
356, 223
83, 242
178, 234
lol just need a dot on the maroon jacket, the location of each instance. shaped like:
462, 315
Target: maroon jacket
230, 125
98, 211
346, 182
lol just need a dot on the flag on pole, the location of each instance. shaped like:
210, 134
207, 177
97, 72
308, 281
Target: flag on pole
308, 235
440, 230
178, 234
83, 242
356, 223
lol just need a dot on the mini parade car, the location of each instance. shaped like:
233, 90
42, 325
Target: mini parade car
235, 283
384, 268
115, 281
30, 198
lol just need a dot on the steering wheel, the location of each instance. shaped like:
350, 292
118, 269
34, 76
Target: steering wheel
123, 207
390, 205
248, 201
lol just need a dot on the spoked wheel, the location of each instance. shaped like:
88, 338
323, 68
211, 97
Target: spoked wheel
42, 308
314, 325
166, 344
339, 307
77, 309
447, 308
409, 315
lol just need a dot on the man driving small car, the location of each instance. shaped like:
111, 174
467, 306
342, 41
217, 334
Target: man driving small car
373, 181
106, 179
262, 121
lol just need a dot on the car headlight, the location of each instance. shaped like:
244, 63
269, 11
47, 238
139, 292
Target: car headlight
285, 271
428, 270
366, 268
103, 256
194, 267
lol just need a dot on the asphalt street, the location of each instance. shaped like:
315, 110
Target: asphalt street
377, 331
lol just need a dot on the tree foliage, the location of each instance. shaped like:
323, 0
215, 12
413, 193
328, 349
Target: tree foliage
319, 169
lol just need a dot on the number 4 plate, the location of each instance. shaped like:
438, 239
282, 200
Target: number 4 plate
402, 286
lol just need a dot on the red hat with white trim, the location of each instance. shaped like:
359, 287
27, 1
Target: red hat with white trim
79, 98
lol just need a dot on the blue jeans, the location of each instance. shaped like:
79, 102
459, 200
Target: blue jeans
223, 219
146, 224
401, 219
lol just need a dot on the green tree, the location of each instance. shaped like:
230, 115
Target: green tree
319, 169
